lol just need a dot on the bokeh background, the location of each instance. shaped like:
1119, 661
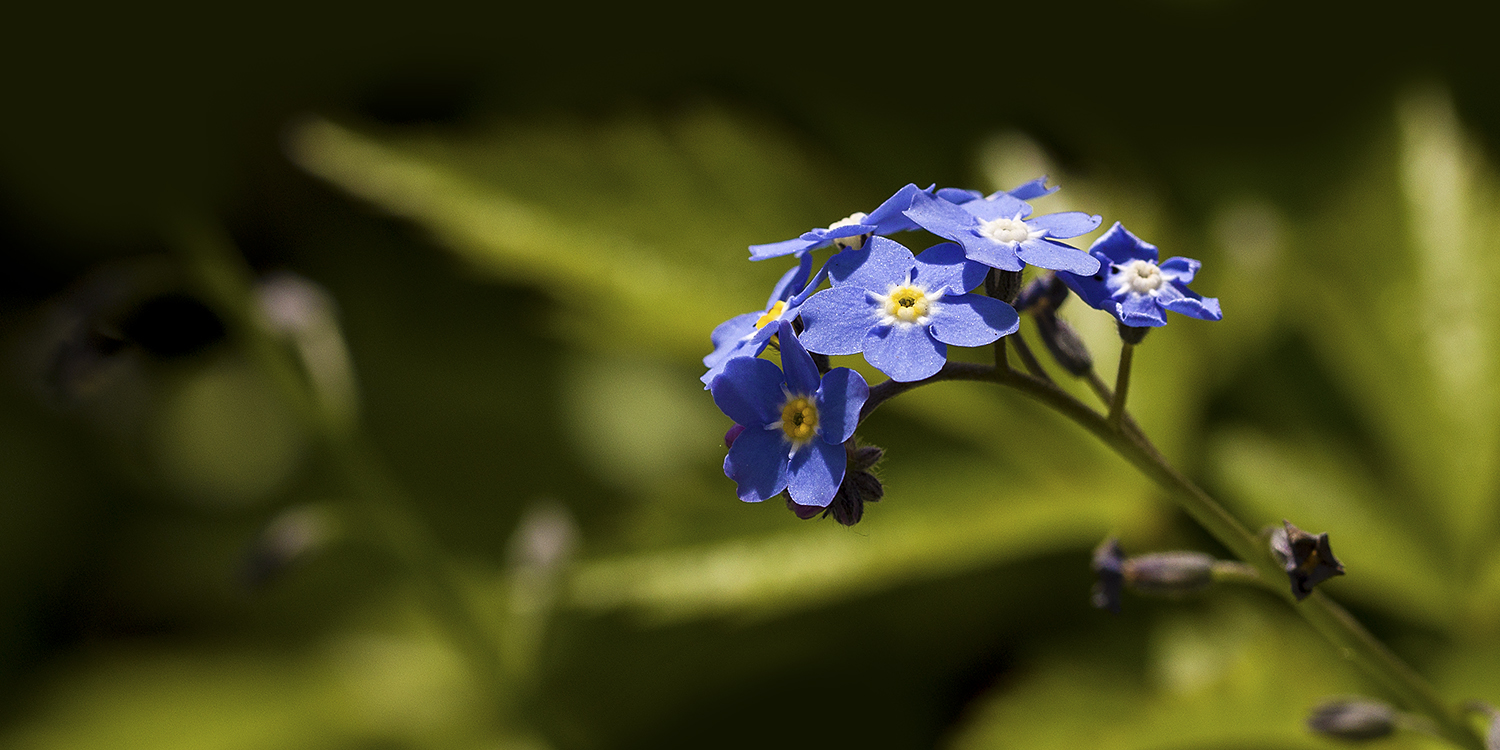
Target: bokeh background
497, 240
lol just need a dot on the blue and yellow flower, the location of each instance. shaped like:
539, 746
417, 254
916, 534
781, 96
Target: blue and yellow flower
795, 423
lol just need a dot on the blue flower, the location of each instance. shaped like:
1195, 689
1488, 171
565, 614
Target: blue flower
1131, 286
747, 335
902, 311
998, 231
795, 423
852, 231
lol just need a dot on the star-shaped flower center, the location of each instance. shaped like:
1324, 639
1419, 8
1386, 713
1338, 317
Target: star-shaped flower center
799, 419
906, 304
1138, 276
1007, 230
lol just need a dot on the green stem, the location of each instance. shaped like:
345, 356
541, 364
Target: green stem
1122, 385
226, 280
1329, 619
1033, 365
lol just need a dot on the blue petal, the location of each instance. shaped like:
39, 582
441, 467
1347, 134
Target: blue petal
791, 282
1120, 246
843, 394
946, 265
1058, 257
757, 462
836, 320
876, 266
750, 346
1141, 311
848, 230
1180, 299
1091, 289
1066, 224
905, 352
784, 247
727, 335
996, 206
801, 374
816, 471
749, 391
959, 196
973, 320
983, 250
888, 217
1034, 189
941, 217
1180, 269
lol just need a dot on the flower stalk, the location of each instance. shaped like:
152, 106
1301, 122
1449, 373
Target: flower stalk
1115, 429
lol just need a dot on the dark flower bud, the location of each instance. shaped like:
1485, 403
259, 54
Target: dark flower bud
1003, 285
1064, 343
1169, 573
864, 457
1308, 559
733, 433
1355, 719
1045, 292
1132, 334
1108, 565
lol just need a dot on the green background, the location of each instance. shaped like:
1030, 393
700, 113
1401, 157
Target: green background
530, 219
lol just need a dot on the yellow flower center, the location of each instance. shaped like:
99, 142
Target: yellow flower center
907, 304
799, 419
772, 314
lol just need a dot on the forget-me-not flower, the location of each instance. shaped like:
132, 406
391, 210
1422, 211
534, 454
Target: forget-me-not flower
795, 423
852, 231
746, 335
999, 231
1133, 287
903, 311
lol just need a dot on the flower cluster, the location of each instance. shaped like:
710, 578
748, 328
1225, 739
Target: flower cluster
794, 424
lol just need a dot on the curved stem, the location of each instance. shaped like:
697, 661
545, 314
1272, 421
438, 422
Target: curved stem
1332, 621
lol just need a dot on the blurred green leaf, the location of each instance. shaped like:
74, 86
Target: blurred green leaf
1228, 673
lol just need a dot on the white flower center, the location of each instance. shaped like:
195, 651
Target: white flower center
858, 217
1008, 230
856, 241
906, 304
1138, 276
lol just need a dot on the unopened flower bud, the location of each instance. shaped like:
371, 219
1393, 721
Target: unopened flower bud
1308, 559
1045, 292
1356, 719
1064, 343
